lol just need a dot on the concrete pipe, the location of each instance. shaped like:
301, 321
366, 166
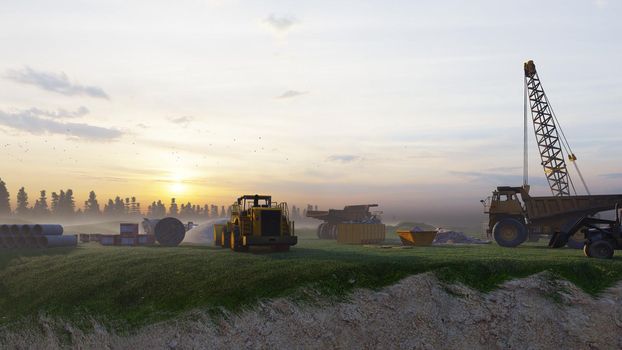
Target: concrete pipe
31, 242
5, 230
15, 230
9, 241
169, 232
47, 229
20, 242
40, 241
25, 230
60, 241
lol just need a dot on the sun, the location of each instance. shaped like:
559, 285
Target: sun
177, 188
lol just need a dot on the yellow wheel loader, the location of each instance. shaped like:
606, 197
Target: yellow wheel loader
258, 221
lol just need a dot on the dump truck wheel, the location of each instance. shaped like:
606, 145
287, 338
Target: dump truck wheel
319, 230
509, 232
600, 249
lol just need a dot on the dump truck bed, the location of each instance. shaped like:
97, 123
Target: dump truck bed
575, 206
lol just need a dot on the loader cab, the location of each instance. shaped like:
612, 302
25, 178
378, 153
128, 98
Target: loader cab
254, 201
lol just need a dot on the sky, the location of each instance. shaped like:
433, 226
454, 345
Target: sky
414, 105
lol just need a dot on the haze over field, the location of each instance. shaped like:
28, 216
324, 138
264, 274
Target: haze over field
417, 106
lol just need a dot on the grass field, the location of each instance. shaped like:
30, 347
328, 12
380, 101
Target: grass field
130, 287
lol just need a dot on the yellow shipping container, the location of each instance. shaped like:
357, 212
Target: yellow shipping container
360, 233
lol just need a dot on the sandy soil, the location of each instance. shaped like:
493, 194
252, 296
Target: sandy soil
417, 313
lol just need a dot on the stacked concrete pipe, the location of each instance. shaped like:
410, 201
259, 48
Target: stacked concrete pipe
35, 236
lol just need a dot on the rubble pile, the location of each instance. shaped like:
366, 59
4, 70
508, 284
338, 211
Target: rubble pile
452, 237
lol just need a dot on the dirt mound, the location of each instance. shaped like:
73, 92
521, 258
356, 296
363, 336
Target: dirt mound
419, 312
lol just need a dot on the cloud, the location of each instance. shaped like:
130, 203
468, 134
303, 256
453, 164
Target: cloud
281, 24
183, 121
26, 121
59, 113
292, 94
343, 158
495, 179
612, 175
58, 83
601, 3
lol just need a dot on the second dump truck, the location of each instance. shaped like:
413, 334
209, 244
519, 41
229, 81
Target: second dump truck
515, 216
258, 221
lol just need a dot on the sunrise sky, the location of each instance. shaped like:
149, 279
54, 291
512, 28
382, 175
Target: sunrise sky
415, 105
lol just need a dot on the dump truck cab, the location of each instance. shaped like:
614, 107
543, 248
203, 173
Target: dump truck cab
258, 221
506, 215
504, 202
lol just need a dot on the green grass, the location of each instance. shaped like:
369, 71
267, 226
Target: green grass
130, 287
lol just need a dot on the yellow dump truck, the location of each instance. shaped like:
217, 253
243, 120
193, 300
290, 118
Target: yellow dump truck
258, 221
515, 216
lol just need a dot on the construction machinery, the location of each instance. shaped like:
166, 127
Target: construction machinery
602, 237
515, 216
258, 221
359, 214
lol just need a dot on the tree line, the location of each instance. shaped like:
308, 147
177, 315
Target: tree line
62, 204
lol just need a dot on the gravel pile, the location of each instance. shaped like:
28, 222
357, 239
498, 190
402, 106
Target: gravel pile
452, 237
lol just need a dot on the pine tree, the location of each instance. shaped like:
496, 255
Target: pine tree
161, 209
134, 206
55, 202
70, 203
109, 208
173, 208
91, 206
119, 206
5, 205
22, 202
41, 205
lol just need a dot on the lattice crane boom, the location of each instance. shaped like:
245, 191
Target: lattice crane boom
550, 145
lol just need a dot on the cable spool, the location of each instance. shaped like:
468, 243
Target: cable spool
169, 232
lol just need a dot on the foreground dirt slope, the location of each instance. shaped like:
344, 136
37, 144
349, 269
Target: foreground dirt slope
418, 313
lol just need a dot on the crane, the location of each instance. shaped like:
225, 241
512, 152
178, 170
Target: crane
514, 216
550, 137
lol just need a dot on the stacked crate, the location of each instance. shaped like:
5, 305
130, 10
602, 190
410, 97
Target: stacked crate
128, 236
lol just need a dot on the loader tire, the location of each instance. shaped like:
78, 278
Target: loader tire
225, 237
509, 232
600, 249
235, 241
